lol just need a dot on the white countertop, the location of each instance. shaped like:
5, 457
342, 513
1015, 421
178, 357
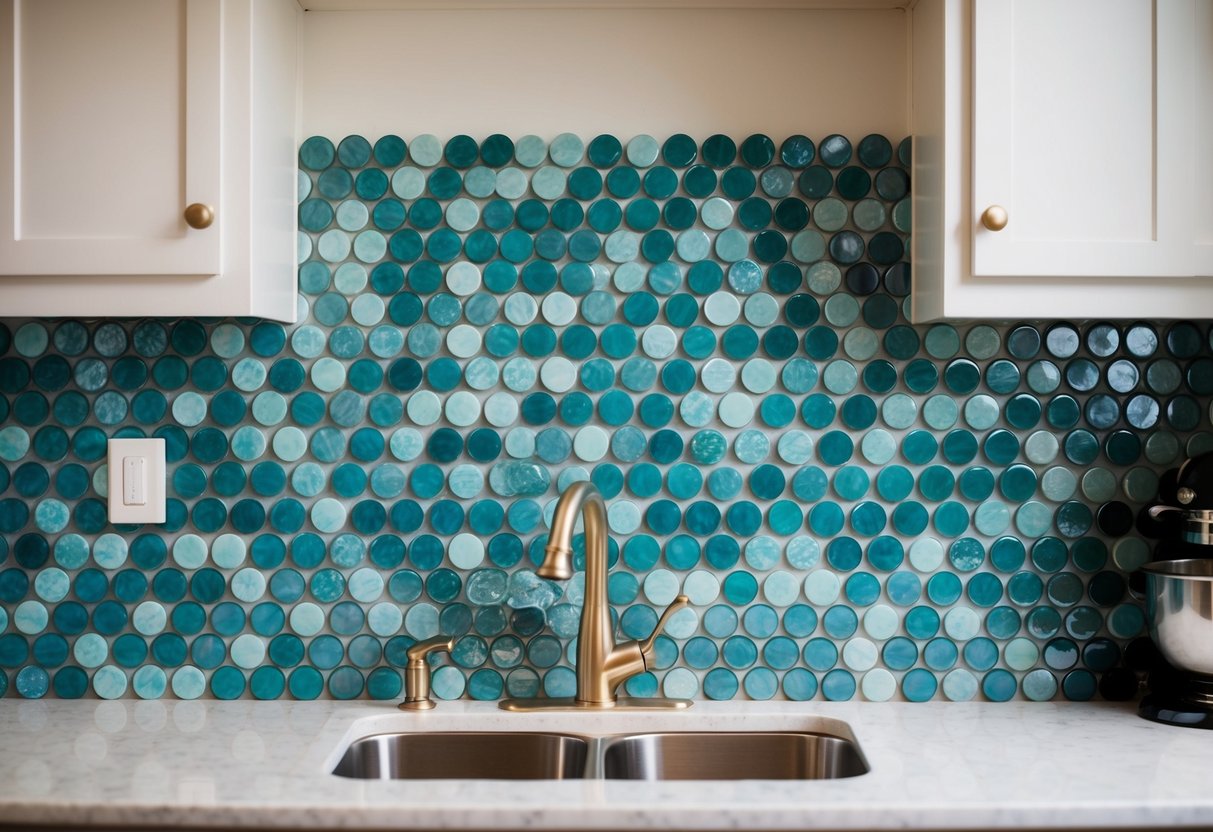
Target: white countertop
934, 765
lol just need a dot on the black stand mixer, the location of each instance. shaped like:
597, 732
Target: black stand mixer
1179, 603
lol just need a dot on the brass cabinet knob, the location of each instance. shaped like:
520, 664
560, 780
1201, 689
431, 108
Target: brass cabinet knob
994, 218
199, 215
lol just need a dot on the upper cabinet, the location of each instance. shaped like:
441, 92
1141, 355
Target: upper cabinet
116, 128
1059, 167
150, 164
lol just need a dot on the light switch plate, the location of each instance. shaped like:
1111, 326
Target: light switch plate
136, 481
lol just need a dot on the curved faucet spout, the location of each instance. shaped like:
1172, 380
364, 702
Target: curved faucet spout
558, 554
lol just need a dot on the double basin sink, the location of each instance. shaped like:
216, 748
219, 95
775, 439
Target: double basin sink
537, 755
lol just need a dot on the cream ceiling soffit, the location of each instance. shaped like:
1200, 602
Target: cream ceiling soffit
454, 5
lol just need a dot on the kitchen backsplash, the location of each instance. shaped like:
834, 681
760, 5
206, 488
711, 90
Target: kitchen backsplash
714, 333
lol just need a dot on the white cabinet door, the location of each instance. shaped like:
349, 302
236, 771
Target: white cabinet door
1084, 130
112, 114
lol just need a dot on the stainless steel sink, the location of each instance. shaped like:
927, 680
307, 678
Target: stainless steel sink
465, 756
497, 755
732, 756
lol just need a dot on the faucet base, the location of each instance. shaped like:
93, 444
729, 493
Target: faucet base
416, 705
625, 703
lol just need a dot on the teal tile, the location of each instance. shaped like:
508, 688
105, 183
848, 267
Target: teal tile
515, 310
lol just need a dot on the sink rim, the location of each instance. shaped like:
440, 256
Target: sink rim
476, 732
591, 736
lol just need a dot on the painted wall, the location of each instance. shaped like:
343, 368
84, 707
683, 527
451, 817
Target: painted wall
591, 71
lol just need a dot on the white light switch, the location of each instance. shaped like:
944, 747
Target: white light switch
136, 481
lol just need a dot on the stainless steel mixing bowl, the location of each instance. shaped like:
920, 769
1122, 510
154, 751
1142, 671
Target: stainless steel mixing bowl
1179, 607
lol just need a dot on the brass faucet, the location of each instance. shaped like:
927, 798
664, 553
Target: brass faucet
602, 665
417, 673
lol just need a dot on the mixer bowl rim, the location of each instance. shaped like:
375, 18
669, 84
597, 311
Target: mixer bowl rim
1176, 569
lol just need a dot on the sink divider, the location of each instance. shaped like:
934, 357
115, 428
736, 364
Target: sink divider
595, 768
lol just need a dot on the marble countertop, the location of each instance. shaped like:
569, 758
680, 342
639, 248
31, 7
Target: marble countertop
266, 764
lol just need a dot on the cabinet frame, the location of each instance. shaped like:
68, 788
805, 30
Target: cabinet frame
256, 48
947, 215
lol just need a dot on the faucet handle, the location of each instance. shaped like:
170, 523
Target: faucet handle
422, 649
417, 673
649, 644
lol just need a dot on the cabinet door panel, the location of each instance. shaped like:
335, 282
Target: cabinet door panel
1072, 136
1202, 97
115, 129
